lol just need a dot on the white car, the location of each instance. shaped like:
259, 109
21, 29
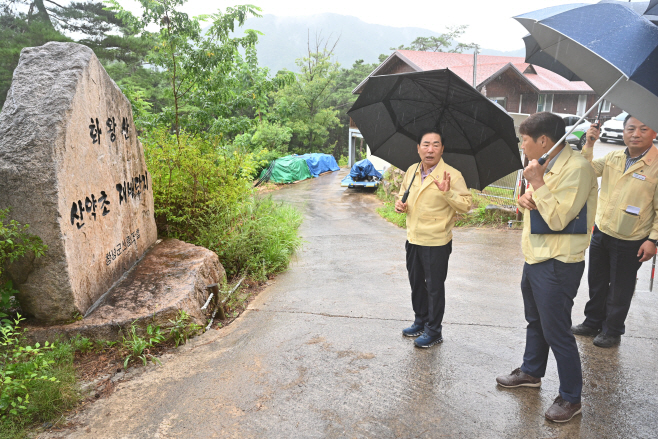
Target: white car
577, 137
612, 130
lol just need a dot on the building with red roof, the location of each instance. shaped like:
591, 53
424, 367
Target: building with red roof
517, 86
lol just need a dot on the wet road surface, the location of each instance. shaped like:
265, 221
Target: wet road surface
319, 353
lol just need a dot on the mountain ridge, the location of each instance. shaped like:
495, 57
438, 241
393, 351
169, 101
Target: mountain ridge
285, 39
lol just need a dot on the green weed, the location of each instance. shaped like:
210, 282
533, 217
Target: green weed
137, 347
82, 344
181, 329
256, 236
387, 211
481, 217
15, 242
37, 383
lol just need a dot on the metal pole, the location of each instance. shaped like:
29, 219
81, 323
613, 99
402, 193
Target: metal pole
475, 66
653, 272
544, 158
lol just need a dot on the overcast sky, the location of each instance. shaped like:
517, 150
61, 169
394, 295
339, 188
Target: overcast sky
490, 22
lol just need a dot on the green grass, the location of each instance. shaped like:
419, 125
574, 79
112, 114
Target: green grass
48, 399
387, 211
479, 216
499, 192
257, 237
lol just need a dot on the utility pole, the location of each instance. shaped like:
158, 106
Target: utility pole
475, 65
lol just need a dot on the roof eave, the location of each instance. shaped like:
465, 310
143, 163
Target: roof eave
502, 70
379, 67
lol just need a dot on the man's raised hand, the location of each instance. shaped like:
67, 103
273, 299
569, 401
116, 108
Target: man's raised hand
443, 185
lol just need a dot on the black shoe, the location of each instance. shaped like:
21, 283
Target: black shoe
606, 341
585, 330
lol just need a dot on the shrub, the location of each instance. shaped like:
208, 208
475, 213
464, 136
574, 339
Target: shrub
193, 176
255, 237
36, 382
203, 194
15, 242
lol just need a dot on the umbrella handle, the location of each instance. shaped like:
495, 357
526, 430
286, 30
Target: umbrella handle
406, 193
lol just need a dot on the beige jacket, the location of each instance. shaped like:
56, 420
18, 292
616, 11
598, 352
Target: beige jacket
430, 211
637, 187
567, 186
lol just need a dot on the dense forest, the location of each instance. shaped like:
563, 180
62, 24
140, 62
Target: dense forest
209, 117
225, 94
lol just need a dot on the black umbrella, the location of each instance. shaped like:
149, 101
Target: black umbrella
478, 134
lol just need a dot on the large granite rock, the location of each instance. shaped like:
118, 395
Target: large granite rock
71, 166
172, 276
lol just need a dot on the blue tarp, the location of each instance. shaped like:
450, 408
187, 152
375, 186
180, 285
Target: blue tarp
320, 163
364, 169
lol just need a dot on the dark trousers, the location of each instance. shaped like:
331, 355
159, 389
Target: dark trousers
548, 291
427, 268
613, 265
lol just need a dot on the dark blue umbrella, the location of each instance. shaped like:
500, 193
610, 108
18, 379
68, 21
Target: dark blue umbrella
651, 12
605, 45
534, 55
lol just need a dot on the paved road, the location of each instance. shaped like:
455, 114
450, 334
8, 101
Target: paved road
319, 353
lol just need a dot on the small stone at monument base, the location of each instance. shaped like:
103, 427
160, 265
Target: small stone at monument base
172, 276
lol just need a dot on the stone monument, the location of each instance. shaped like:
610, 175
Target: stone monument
71, 166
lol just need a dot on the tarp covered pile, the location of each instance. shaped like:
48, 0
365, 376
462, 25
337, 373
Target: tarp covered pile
320, 163
364, 170
362, 174
298, 167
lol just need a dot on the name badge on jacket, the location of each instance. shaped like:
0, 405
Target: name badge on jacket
639, 176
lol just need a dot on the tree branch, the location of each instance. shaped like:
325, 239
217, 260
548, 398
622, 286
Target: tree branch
58, 5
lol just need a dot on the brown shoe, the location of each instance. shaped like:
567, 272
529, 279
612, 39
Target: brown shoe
562, 411
518, 379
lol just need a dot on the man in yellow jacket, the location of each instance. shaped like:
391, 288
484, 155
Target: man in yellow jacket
554, 262
437, 193
626, 229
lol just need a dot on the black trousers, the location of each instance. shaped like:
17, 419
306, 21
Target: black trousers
613, 266
548, 290
427, 268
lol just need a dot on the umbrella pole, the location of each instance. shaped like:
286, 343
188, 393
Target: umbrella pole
406, 193
544, 158
653, 272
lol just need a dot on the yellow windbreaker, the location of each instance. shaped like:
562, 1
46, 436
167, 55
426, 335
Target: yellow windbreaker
430, 211
569, 183
636, 188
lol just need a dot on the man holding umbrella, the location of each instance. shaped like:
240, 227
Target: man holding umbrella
554, 240
436, 193
626, 229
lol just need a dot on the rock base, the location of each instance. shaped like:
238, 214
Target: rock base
171, 277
